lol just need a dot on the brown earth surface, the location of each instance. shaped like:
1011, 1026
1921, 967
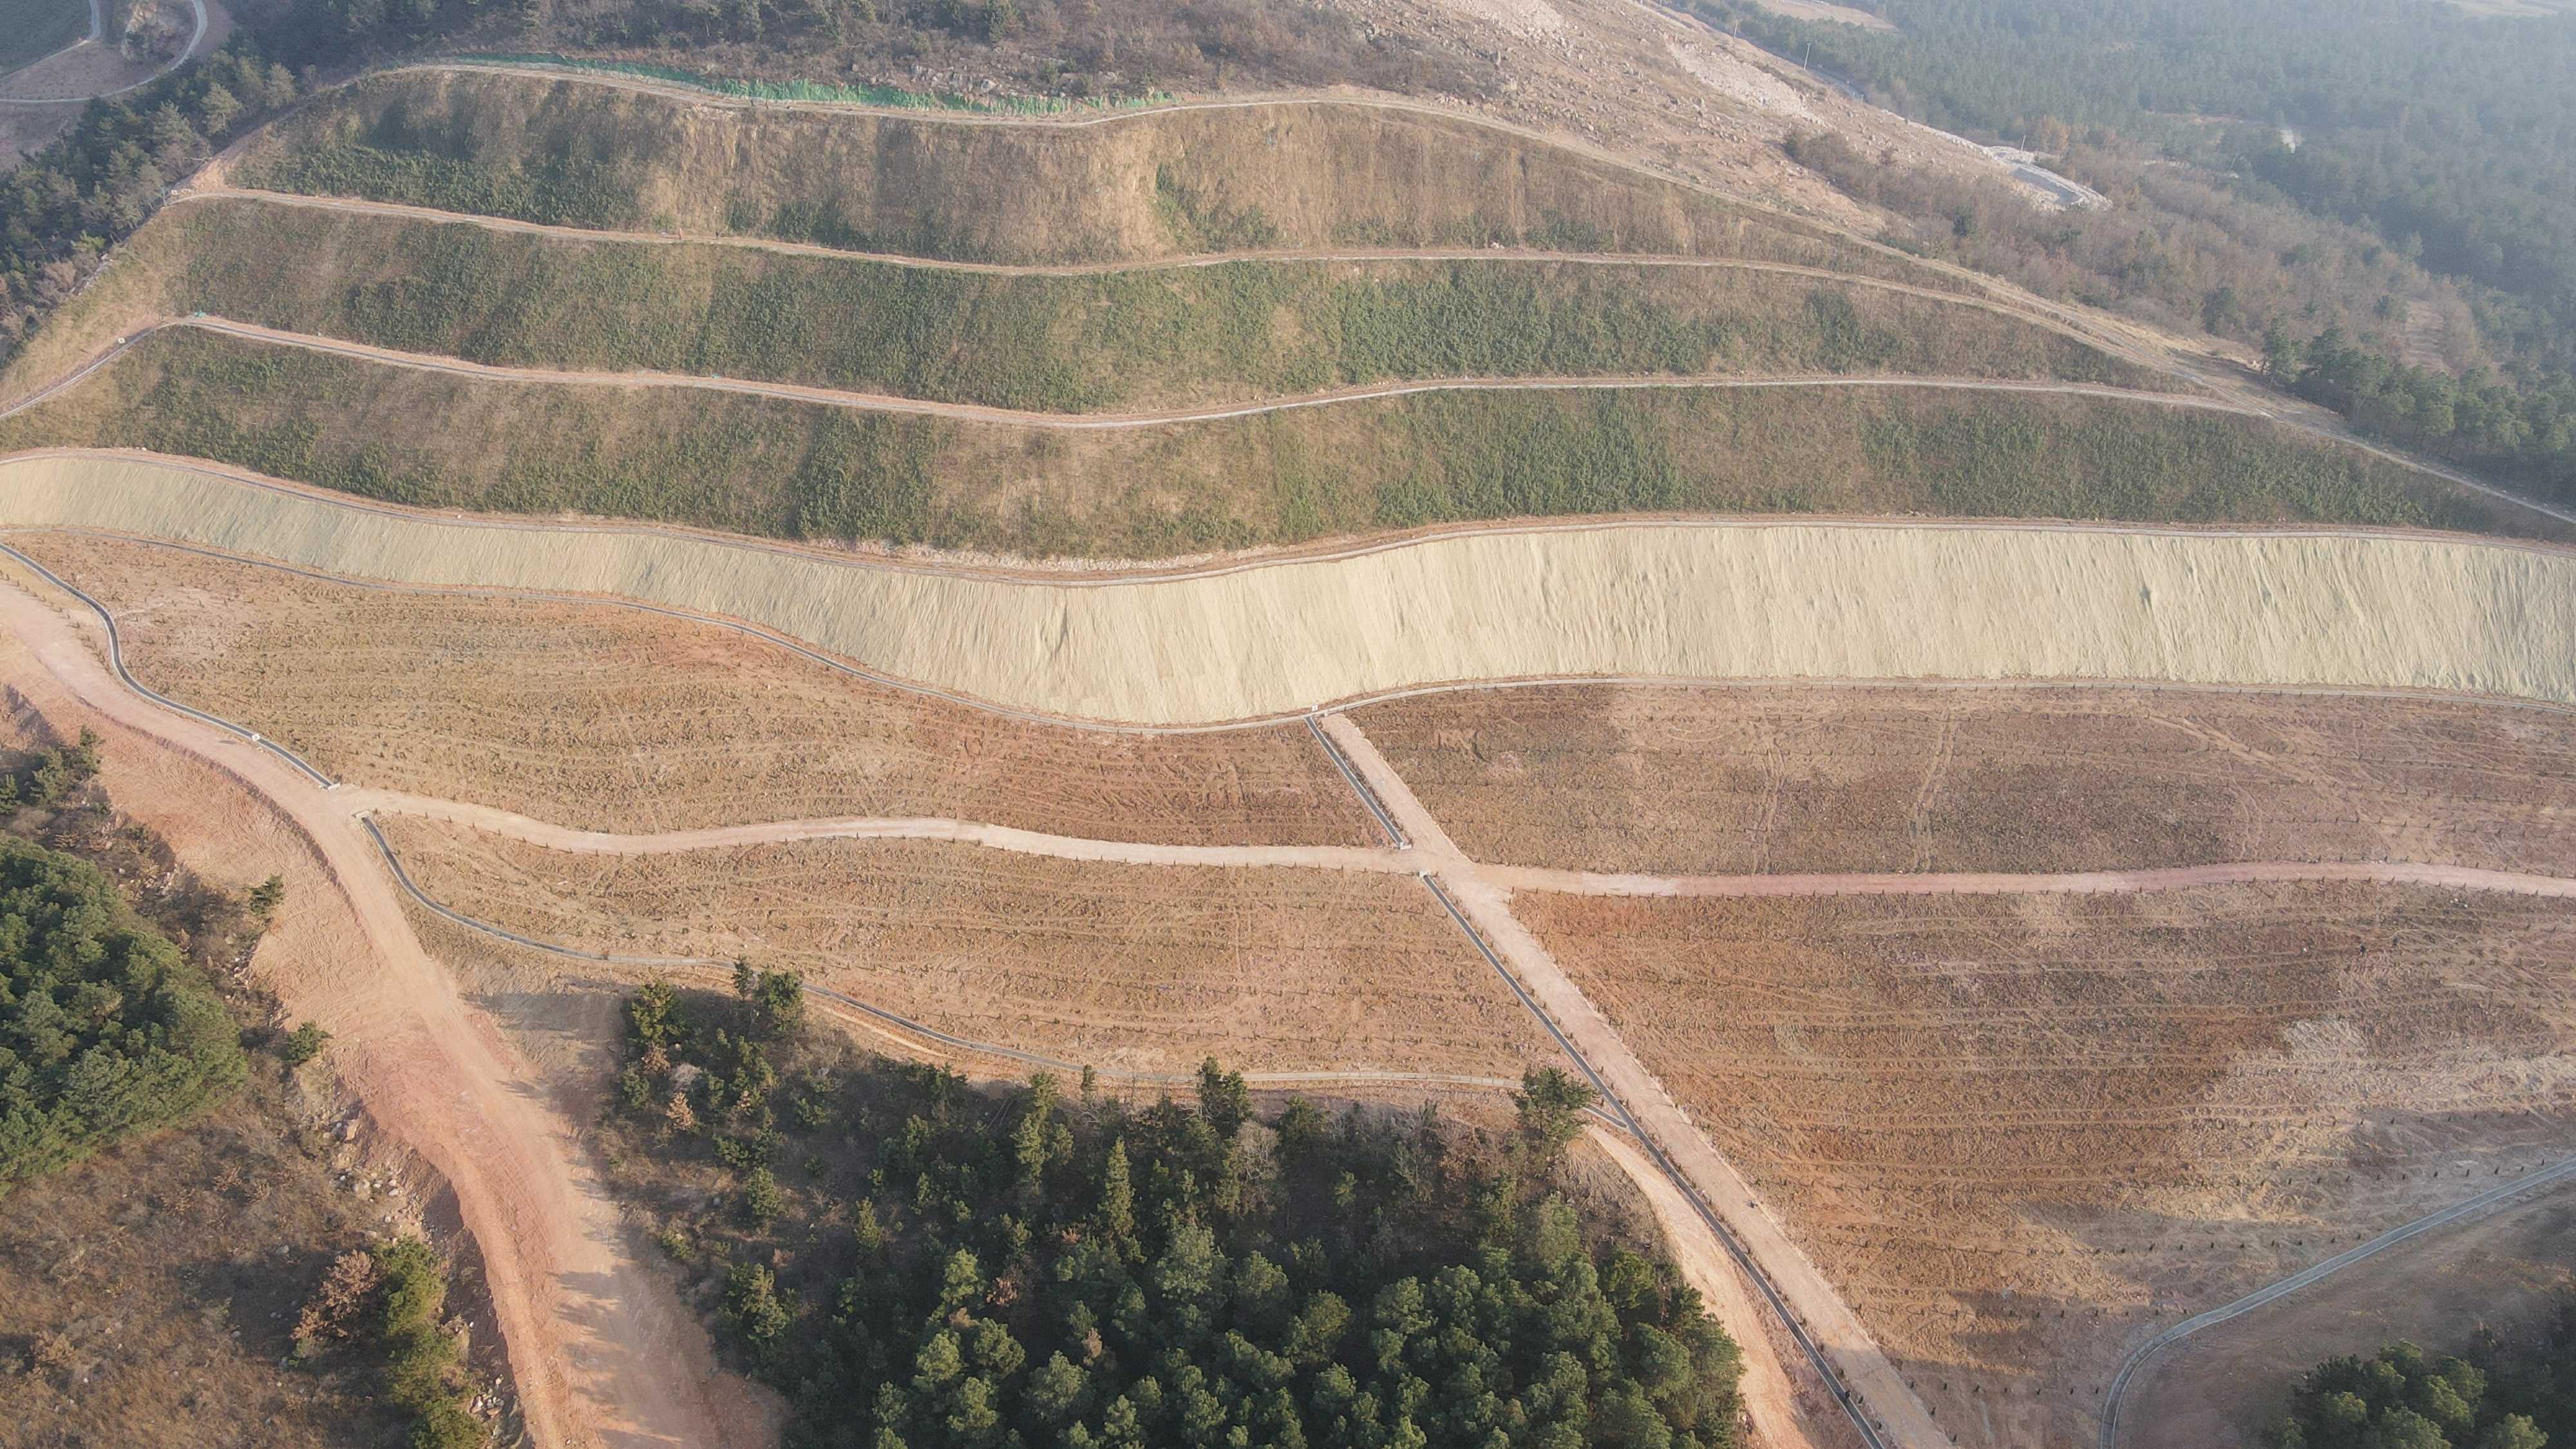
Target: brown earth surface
2222, 1387
1750, 780
609, 718
1134, 968
599, 1351
2021, 1134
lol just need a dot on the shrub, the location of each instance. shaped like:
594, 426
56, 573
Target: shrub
303, 1044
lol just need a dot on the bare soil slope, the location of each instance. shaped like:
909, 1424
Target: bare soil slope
2224, 1386
1147, 968
606, 718
2021, 1134
598, 1349
1751, 779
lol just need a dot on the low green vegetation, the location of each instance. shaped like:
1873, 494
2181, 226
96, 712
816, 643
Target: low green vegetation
2496, 1396
1169, 336
546, 149
794, 470
105, 1029
918, 1262
833, 92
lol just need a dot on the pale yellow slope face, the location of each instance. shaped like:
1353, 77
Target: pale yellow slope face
1709, 601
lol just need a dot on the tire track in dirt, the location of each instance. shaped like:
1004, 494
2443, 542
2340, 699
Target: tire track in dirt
601, 1350
1095, 422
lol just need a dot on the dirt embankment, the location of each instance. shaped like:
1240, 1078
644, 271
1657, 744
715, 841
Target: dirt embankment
598, 717
1721, 600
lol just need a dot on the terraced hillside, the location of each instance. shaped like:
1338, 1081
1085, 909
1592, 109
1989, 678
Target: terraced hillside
2117, 860
479, 289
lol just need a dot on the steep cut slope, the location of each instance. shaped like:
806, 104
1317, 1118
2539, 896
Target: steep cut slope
1726, 600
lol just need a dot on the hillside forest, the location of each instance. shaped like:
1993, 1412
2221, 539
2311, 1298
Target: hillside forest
921, 1264
2329, 180
2494, 1396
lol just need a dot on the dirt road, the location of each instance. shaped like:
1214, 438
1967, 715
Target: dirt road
210, 184
603, 1353
1403, 862
965, 832
1102, 422
2081, 883
1781, 1421
1882, 1403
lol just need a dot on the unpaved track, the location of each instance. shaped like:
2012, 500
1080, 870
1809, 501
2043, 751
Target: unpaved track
964, 832
1098, 422
2078, 883
1403, 861
1887, 1410
1706, 1266
209, 184
603, 1354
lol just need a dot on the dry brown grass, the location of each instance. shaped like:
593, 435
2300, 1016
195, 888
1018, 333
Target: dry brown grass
2019, 1133
151, 1291
1145, 968
614, 719
1721, 781
1296, 174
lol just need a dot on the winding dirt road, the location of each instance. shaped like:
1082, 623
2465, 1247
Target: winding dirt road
1402, 860
1093, 422
602, 1352
211, 185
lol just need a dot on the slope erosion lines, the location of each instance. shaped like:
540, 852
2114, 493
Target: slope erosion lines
594, 1338
2117, 335
1712, 598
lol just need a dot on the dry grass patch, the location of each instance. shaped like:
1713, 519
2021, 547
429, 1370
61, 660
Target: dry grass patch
1303, 174
2020, 1133
1147, 968
152, 1291
613, 719
1727, 781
